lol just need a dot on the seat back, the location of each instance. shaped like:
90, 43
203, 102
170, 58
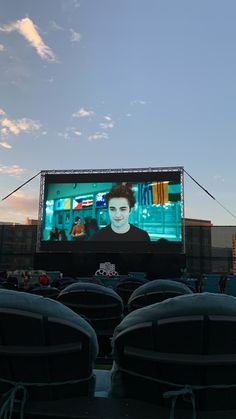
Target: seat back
154, 292
185, 341
100, 305
11, 283
45, 346
45, 291
64, 282
126, 287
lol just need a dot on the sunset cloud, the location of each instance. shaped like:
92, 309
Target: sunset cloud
15, 127
18, 207
2, 48
23, 202
18, 125
4, 144
29, 31
81, 113
14, 170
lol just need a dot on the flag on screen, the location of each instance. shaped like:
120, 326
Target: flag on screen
77, 203
59, 204
67, 204
101, 199
145, 194
87, 203
160, 192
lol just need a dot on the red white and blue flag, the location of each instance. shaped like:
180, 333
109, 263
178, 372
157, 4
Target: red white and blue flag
79, 203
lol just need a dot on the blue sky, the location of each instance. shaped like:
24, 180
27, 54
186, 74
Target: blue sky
89, 84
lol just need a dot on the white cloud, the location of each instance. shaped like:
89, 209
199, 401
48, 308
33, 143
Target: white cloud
107, 126
69, 133
14, 170
81, 113
138, 102
2, 48
75, 36
56, 27
78, 133
98, 136
29, 31
65, 135
4, 144
15, 127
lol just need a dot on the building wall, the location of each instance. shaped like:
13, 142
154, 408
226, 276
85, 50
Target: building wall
234, 253
17, 246
198, 245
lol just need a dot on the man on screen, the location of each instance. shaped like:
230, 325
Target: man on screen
120, 201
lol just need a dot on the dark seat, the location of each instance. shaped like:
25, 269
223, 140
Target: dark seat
50, 292
91, 280
102, 306
184, 345
154, 292
11, 283
126, 287
46, 347
64, 282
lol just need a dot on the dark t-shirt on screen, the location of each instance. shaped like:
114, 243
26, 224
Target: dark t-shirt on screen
134, 234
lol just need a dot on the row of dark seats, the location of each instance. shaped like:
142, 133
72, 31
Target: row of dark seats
104, 308
101, 306
181, 349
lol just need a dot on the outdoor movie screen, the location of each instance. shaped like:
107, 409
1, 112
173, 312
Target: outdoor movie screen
111, 210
